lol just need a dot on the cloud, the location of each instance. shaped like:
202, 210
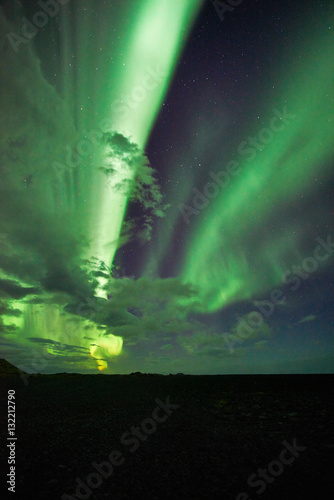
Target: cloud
12, 289
130, 174
261, 344
306, 319
41, 239
202, 343
8, 311
8, 329
149, 308
245, 328
43, 341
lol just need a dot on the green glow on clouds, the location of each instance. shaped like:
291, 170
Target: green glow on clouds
116, 81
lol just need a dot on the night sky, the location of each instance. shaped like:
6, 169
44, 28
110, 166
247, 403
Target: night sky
167, 186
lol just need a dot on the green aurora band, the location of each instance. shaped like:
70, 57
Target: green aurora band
221, 262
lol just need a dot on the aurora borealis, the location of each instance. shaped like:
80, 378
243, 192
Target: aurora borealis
167, 186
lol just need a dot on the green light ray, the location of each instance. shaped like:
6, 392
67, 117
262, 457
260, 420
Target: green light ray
125, 74
221, 262
155, 41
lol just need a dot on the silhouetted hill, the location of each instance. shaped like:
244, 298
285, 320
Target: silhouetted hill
6, 368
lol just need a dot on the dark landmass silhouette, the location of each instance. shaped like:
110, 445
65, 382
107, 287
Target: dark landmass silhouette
6, 368
219, 431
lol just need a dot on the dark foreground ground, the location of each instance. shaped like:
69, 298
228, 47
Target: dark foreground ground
225, 430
